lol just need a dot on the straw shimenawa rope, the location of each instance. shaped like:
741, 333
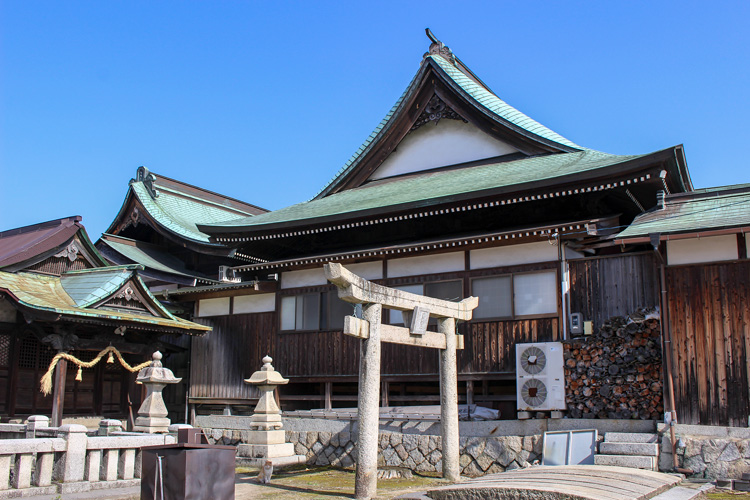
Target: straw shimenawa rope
47, 378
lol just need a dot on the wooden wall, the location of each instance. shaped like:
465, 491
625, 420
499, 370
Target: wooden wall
229, 354
602, 287
221, 360
709, 310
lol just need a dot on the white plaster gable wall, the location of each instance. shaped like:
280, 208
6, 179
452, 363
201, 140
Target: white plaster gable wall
447, 143
512, 255
694, 250
427, 264
264, 302
213, 307
304, 277
367, 270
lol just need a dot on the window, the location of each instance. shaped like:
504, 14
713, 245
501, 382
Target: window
446, 290
509, 296
314, 311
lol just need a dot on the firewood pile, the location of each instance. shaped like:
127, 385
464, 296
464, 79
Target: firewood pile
617, 371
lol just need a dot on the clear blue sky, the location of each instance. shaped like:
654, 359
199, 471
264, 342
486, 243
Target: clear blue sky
265, 101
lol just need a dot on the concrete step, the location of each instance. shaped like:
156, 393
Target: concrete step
630, 437
646, 449
632, 461
686, 492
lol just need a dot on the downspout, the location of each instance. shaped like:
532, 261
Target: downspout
666, 335
564, 286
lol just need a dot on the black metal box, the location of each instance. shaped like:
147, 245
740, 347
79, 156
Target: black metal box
186, 471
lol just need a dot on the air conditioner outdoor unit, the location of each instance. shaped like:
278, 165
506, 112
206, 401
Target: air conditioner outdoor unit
226, 275
540, 377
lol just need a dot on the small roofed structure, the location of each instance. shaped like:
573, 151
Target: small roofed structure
702, 244
57, 295
157, 227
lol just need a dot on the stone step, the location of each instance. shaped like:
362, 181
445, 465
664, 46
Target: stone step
632, 461
644, 449
630, 437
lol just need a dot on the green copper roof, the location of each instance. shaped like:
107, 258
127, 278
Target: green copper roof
46, 293
427, 188
704, 209
149, 257
177, 207
483, 99
180, 213
497, 106
94, 285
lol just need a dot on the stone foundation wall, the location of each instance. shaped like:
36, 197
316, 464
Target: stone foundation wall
485, 447
712, 452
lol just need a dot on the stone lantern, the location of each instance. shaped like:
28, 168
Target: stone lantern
152, 415
266, 440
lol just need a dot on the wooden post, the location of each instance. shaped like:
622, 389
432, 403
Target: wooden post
449, 400
58, 396
469, 392
384, 394
366, 477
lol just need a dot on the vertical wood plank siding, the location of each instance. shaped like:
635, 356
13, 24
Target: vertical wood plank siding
229, 354
613, 286
709, 308
221, 360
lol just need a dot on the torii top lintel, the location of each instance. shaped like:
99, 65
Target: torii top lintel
357, 290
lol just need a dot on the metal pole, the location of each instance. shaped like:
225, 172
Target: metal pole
366, 476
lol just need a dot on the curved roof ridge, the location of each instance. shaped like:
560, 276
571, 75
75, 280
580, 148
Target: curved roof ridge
468, 84
490, 101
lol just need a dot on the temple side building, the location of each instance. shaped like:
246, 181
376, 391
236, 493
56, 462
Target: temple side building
58, 294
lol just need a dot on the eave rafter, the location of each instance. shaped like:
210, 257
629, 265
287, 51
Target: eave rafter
550, 232
469, 205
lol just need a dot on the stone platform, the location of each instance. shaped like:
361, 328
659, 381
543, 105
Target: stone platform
559, 483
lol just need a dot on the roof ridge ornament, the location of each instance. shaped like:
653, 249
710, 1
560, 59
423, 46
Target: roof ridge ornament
438, 48
148, 179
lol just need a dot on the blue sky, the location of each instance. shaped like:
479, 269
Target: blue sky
265, 101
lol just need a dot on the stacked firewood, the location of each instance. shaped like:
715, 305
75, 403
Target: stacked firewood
617, 371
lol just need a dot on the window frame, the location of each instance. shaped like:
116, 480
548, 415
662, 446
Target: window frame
511, 275
324, 307
461, 280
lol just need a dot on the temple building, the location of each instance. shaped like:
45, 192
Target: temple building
58, 294
455, 193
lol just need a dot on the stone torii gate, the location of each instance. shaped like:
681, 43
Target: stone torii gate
416, 310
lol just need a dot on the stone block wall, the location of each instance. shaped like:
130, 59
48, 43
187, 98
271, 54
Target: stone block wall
711, 452
420, 453
485, 447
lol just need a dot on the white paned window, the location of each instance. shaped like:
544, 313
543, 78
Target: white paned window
315, 311
535, 293
510, 296
446, 290
288, 309
495, 298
